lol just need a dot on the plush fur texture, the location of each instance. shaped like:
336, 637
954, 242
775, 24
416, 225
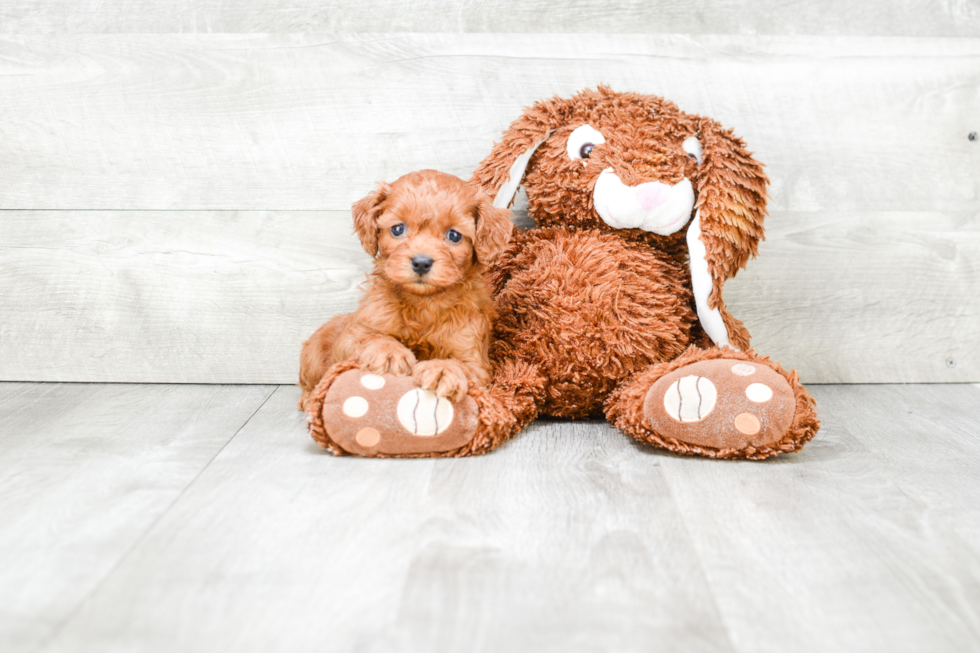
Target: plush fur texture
506, 408
644, 136
589, 317
601, 313
433, 324
624, 408
619, 307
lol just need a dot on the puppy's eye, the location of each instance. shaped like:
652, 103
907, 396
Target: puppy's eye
582, 140
398, 230
454, 236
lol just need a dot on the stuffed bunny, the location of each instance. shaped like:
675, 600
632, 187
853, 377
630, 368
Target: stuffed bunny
612, 305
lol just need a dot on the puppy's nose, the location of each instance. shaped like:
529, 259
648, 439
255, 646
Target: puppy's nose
421, 264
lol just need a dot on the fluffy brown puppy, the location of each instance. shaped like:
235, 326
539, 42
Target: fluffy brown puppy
426, 310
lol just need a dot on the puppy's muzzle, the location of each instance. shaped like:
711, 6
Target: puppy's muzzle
421, 264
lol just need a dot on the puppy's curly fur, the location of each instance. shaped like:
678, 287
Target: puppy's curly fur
434, 324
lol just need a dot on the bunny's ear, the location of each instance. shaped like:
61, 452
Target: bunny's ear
727, 227
366, 212
501, 173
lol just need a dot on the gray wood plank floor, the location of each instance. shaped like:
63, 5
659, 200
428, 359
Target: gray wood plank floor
193, 518
85, 471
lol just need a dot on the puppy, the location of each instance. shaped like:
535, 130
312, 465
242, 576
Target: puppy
426, 310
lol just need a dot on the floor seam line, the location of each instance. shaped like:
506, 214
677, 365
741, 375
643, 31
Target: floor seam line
665, 474
139, 540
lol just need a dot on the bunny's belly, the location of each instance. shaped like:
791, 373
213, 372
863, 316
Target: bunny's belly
588, 309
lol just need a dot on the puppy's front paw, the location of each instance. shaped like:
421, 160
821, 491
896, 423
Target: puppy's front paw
387, 357
445, 377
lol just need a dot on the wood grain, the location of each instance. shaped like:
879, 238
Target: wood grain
167, 296
135, 143
831, 548
309, 122
920, 433
866, 297
85, 471
909, 18
569, 538
212, 297
567, 541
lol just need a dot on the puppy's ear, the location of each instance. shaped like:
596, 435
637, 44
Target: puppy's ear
366, 212
501, 173
493, 230
731, 207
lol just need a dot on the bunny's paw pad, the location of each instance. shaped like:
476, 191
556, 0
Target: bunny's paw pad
721, 403
370, 414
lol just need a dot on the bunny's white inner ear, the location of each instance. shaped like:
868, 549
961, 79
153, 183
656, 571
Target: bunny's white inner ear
506, 193
710, 318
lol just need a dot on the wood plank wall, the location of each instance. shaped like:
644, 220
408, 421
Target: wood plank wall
175, 179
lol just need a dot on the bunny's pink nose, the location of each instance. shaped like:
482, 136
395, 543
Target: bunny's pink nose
651, 194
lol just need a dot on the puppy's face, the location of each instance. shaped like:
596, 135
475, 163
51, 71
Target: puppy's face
426, 236
430, 230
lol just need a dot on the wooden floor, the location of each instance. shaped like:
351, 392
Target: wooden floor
202, 518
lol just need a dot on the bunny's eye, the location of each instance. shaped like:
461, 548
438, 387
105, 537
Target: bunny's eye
583, 140
693, 148
398, 230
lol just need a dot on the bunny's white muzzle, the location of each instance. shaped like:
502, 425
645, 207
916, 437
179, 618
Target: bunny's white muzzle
655, 207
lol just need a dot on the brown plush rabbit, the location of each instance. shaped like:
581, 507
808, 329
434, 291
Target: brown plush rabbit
613, 303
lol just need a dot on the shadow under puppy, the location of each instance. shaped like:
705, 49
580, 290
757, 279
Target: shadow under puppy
426, 310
